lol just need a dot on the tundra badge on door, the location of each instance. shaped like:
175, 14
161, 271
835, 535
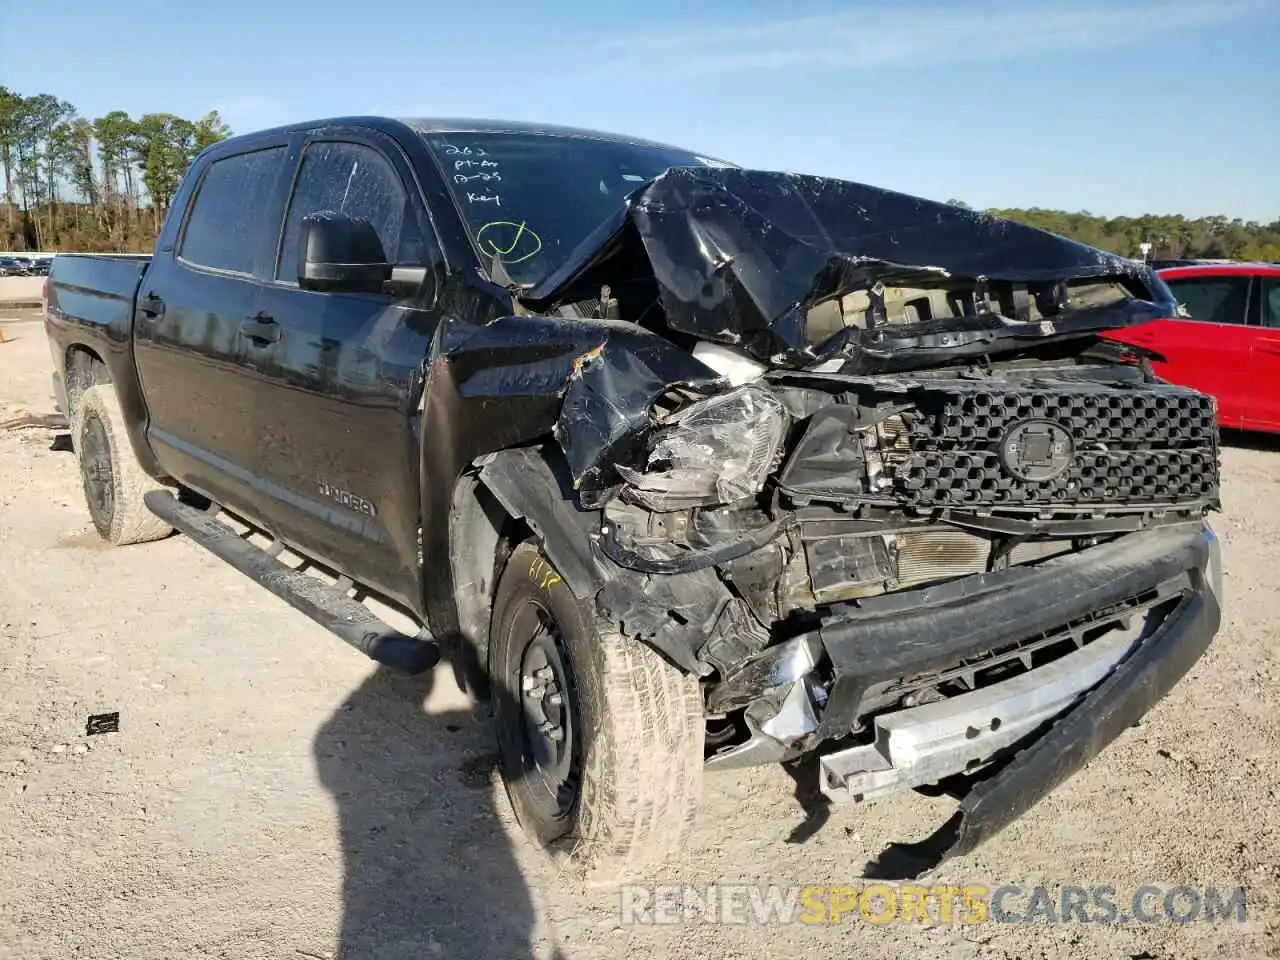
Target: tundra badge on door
347, 499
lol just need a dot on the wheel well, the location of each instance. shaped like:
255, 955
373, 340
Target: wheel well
524, 493
482, 536
84, 369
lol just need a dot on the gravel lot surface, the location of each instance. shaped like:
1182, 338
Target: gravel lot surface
270, 794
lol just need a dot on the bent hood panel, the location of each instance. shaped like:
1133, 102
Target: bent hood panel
739, 256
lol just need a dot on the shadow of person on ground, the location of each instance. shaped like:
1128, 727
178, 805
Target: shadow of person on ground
428, 869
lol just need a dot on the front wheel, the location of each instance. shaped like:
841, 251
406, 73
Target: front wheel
601, 740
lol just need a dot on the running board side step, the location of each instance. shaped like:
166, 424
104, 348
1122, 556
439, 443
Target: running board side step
327, 605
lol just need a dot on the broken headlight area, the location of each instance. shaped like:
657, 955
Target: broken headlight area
717, 450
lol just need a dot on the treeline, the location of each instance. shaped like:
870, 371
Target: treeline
1171, 236
103, 184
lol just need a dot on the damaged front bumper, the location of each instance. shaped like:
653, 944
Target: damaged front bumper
1136, 684
921, 745
1139, 611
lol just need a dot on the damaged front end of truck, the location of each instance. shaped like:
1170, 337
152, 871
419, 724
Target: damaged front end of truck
865, 465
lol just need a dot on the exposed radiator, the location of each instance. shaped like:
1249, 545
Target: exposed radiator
940, 555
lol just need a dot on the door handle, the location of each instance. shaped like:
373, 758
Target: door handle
1267, 345
261, 329
152, 305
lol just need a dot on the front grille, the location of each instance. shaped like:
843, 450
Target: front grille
966, 415
951, 478
1078, 444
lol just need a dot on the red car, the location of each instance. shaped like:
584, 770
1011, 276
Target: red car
1228, 345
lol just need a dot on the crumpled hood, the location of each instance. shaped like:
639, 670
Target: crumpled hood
740, 256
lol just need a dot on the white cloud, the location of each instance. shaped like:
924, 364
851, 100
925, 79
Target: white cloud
882, 37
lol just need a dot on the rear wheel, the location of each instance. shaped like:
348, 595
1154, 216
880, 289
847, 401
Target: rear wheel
114, 483
601, 740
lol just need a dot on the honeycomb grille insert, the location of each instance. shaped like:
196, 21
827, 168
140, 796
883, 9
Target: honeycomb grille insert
1156, 445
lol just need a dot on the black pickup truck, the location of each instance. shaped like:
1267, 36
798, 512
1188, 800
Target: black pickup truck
696, 466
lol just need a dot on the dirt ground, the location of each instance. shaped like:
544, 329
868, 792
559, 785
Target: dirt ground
271, 794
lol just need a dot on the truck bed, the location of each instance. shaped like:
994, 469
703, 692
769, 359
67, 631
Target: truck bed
95, 289
89, 303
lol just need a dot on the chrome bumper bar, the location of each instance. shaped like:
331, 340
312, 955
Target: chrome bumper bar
922, 745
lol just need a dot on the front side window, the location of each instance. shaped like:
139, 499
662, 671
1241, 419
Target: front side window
226, 228
359, 182
1212, 299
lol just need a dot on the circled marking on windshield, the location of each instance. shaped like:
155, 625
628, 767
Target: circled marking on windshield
513, 242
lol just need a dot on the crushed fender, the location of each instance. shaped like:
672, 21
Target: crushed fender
591, 383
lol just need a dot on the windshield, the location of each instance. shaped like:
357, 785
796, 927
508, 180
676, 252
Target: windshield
529, 199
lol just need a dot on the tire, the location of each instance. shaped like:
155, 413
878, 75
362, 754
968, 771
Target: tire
113, 482
620, 791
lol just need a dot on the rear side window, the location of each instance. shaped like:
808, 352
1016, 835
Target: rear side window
226, 224
356, 180
1213, 299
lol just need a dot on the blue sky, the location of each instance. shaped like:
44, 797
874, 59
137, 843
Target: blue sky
1114, 107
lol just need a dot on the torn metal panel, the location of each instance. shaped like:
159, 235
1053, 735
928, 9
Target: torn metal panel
495, 381
534, 487
609, 396
675, 614
590, 382
743, 257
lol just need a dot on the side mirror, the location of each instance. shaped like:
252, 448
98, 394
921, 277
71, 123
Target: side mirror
340, 254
